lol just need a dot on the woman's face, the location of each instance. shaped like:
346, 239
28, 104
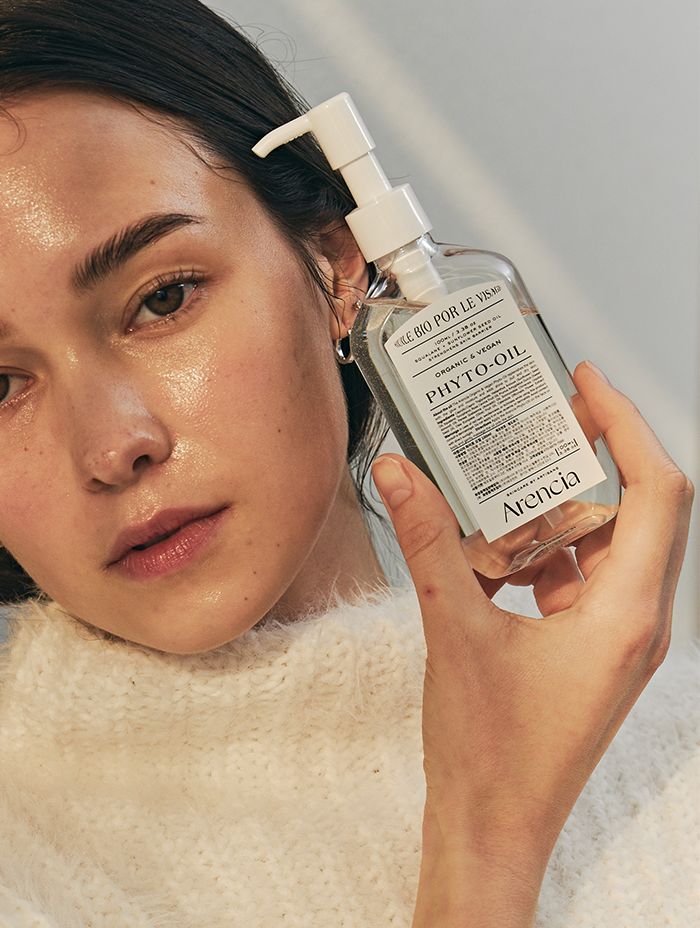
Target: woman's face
165, 367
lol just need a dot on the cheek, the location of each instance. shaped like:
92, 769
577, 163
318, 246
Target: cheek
44, 520
189, 379
285, 418
268, 394
34, 511
23, 485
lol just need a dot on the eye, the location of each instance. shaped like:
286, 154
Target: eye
10, 384
165, 301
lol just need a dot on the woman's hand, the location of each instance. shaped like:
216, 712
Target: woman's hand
518, 711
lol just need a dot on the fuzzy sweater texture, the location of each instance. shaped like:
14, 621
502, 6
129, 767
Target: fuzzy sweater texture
278, 782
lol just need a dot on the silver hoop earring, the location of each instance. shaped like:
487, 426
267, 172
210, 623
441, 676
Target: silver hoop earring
343, 351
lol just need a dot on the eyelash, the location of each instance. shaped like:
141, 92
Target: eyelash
14, 398
179, 278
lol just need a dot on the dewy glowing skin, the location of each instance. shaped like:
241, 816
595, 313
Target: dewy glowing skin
32, 214
172, 424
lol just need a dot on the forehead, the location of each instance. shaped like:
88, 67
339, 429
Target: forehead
73, 164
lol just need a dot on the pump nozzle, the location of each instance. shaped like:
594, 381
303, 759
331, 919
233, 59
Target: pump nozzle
337, 125
387, 218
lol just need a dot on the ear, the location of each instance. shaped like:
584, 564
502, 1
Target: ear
346, 270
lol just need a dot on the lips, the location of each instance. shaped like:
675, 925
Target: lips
165, 543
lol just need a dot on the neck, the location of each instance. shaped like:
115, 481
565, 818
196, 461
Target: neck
343, 562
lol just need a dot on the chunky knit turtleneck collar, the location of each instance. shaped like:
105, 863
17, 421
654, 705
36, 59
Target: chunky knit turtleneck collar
72, 694
279, 774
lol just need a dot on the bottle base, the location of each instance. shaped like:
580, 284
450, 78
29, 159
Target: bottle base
535, 540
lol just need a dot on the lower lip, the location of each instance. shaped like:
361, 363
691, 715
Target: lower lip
172, 554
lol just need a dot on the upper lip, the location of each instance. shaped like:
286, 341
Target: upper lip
164, 523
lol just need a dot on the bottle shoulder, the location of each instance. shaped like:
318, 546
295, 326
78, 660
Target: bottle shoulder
460, 267
385, 309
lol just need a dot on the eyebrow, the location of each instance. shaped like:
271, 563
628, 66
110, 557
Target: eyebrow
111, 255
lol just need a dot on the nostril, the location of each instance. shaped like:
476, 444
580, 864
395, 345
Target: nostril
141, 463
116, 451
111, 473
95, 485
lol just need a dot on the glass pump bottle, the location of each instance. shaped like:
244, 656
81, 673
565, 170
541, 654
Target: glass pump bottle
465, 371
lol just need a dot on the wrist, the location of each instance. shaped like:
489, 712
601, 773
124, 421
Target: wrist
478, 878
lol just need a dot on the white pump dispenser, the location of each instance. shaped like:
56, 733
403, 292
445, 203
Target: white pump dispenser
388, 221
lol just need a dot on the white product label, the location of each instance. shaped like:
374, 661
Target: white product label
492, 407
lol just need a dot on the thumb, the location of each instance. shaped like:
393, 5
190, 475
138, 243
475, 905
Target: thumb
428, 534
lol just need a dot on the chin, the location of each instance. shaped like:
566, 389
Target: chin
187, 627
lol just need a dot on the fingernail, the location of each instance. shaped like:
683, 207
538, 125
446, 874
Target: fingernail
392, 481
597, 371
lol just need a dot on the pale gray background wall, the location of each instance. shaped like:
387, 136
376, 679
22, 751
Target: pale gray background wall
562, 134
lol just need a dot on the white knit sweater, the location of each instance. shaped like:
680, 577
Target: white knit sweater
277, 782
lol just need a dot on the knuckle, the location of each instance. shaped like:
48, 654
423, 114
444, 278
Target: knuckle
675, 482
689, 489
674, 487
422, 539
648, 643
658, 652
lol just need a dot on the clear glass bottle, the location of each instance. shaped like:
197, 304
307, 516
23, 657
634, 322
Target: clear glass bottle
384, 313
456, 354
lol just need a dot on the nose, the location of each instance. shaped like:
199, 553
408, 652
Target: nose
116, 438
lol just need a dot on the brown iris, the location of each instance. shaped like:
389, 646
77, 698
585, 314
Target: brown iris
166, 300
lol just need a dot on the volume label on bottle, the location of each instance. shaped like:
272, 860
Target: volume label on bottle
492, 408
